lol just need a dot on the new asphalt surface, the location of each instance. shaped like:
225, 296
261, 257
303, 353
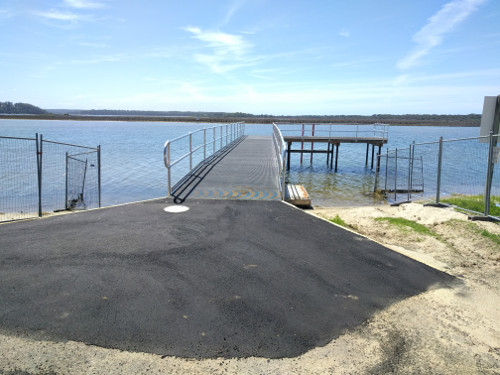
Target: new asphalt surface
223, 279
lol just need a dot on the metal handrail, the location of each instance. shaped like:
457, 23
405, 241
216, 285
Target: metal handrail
378, 129
280, 149
221, 136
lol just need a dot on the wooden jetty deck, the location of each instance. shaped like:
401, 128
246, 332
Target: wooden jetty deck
316, 133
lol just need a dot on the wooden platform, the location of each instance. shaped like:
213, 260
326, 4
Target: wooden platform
333, 144
297, 195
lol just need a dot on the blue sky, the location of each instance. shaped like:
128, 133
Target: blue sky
257, 56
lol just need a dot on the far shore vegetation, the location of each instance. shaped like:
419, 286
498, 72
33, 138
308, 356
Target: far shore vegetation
10, 110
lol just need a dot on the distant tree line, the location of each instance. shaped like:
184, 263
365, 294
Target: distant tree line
20, 109
408, 119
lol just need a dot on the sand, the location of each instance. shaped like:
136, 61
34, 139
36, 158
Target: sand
444, 331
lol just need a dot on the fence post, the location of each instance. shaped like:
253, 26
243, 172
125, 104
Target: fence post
409, 174
376, 173
99, 173
440, 159
487, 193
386, 168
66, 185
396, 177
39, 150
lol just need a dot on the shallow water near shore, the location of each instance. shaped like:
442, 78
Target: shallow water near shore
133, 168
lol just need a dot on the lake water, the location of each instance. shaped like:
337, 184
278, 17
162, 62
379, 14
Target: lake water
133, 169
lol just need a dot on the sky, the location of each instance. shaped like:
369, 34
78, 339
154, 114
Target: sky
310, 57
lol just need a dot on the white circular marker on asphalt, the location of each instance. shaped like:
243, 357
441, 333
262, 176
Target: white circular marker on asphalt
176, 208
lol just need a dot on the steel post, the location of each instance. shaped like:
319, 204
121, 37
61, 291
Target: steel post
438, 179
99, 173
487, 193
66, 185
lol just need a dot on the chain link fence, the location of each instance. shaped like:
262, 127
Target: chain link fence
38, 176
459, 172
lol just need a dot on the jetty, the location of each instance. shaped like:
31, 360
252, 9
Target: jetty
227, 278
223, 163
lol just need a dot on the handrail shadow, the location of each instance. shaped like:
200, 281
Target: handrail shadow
195, 177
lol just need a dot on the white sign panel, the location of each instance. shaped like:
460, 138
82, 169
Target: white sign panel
487, 117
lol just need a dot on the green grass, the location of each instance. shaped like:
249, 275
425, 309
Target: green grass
339, 221
492, 236
406, 224
473, 203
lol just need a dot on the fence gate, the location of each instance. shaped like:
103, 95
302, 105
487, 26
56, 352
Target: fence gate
38, 175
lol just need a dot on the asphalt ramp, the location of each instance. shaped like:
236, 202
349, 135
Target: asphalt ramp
220, 279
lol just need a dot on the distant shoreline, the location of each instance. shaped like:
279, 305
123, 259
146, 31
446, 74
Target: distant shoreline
394, 120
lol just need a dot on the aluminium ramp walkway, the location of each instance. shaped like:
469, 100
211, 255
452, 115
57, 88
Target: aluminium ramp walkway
247, 170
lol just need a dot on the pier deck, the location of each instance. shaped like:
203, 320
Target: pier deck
333, 144
246, 170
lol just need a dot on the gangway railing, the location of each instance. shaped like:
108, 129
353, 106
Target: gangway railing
376, 130
280, 149
208, 140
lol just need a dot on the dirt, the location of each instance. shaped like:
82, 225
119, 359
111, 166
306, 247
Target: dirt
452, 330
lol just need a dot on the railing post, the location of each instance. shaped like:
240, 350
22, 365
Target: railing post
204, 143
438, 180
190, 151
99, 173
221, 126
489, 177
213, 141
169, 172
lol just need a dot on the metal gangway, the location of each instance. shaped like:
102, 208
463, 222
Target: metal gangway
221, 162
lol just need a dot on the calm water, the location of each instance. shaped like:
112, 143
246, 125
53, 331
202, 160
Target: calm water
133, 169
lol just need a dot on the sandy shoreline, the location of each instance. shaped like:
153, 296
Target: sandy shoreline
447, 331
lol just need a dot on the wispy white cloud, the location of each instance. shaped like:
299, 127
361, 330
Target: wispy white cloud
228, 51
57, 15
84, 4
234, 7
6, 13
345, 33
440, 24
93, 45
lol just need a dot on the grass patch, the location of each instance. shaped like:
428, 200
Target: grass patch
474, 228
339, 221
474, 203
492, 236
408, 224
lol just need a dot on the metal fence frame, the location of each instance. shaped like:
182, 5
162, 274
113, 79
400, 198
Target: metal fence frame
39, 142
409, 154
